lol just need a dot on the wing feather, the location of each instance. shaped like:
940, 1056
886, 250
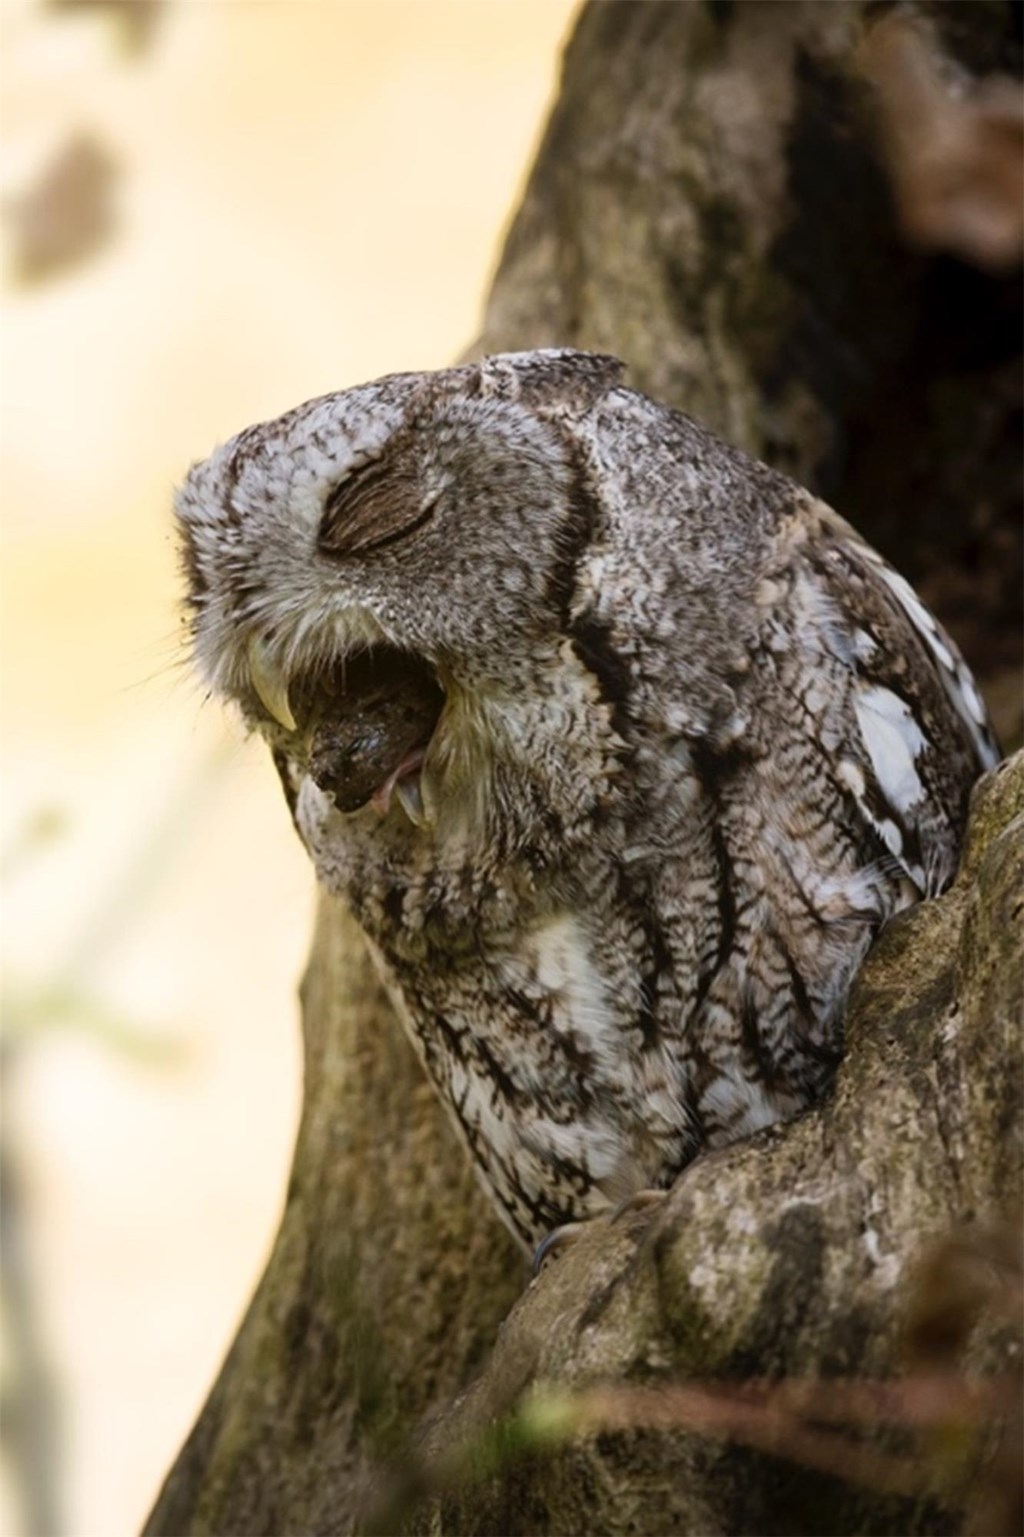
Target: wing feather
910, 725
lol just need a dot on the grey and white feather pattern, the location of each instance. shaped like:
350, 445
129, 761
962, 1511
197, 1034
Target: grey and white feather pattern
621, 747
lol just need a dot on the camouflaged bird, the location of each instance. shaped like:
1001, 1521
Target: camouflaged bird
620, 745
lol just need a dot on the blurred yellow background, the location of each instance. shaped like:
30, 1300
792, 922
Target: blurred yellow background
303, 196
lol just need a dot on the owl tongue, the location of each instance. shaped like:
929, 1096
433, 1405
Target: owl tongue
404, 782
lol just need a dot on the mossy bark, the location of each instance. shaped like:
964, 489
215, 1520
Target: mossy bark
709, 204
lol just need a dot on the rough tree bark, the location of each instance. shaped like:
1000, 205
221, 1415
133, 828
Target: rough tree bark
709, 203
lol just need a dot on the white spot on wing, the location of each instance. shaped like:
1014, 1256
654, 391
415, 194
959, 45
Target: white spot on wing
894, 741
891, 836
864, 648
973, 699
850, 775
920, 618
956, 678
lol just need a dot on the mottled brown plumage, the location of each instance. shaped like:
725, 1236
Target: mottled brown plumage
619, 744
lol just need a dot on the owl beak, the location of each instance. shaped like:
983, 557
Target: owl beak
270, 685
406, 785
410, 796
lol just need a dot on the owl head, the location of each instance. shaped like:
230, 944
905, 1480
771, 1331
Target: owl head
378, 556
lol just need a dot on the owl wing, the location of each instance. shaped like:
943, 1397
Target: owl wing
906, 731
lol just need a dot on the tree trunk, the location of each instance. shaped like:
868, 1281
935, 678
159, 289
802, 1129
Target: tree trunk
710, 204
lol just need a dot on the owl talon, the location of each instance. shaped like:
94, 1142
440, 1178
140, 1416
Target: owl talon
556, 1239
567, 1232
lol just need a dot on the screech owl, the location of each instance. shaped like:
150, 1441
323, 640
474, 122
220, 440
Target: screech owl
620, 745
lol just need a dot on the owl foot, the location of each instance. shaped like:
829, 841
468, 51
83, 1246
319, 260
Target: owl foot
568, 1232
558, 1238
640, 1200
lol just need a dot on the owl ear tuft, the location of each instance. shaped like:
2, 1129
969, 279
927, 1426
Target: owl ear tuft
556, 379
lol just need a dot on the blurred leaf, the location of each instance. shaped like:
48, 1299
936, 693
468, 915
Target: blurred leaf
62, 1008
137, 20
68, 215
46, 825
970, 1274
837, 1426
944, 1429
64, 998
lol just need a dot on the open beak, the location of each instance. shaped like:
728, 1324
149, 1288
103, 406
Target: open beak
406, 785
269, 683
